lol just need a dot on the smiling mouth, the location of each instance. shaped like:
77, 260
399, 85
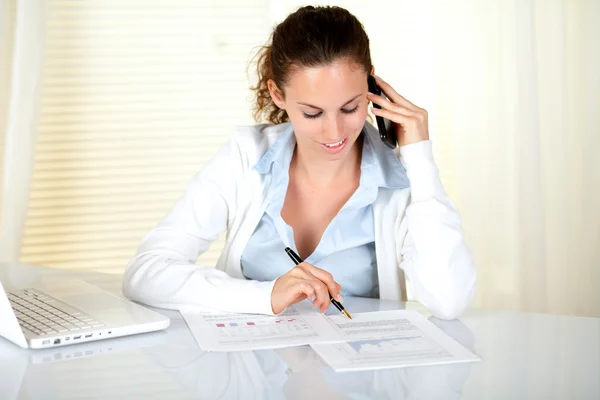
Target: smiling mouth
334, 148
334, 145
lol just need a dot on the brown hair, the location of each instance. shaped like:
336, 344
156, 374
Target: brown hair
309, 37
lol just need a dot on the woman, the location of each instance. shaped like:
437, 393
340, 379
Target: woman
319, 180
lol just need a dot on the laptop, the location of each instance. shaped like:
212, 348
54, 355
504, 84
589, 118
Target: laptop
69, 311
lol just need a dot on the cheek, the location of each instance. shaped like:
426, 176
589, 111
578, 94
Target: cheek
356, 121
304, 128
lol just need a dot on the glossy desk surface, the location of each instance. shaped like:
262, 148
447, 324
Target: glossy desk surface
525, 356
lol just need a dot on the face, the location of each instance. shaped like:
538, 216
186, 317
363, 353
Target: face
327, 107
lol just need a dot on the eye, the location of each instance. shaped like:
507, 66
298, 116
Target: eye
349, 111
312, 116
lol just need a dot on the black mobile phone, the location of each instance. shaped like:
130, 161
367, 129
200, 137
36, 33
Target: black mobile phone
385, 126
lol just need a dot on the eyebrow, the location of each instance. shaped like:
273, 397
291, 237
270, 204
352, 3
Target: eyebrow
346, 103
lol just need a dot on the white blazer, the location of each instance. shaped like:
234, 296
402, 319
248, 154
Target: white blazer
417, 230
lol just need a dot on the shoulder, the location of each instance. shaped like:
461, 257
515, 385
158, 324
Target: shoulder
251, 142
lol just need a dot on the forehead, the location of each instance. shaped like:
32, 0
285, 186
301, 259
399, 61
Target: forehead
331, 83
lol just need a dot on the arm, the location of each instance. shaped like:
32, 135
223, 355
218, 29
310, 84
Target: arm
432, 249
164, 274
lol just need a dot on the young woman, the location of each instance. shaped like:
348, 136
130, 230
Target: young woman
316, 179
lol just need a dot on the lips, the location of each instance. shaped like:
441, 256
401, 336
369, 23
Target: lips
335, 144
336, 147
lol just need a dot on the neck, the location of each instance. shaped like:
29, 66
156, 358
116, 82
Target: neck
327, 173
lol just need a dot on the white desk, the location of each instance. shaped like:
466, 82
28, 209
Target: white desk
525, 356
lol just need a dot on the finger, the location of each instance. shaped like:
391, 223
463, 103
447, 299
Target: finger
320, 288
322, 301
327, 279
300, 271
304, 266
393, 95
393, 116
388, 105
304, 287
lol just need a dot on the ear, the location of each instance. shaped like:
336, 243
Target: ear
276, 94
372, 70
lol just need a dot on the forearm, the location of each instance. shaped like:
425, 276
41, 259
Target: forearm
434, 254
162, 280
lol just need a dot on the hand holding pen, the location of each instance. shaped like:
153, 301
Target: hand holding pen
297, 260
301, 282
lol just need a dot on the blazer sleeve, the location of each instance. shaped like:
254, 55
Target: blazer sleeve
163, 273
434, 256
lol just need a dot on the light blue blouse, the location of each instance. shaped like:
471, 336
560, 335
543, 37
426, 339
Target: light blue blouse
347, 247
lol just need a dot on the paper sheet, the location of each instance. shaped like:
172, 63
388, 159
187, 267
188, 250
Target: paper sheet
299, 325
388, 339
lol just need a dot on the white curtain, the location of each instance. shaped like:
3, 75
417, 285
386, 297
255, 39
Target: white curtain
525, 133
515, 109
21, 44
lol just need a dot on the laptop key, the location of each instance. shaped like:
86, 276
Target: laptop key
65, 308
48, 317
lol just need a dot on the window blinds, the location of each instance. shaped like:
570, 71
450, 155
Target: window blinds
136, 96
6, 40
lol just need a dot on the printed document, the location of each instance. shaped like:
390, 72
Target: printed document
372, 340
388, 339
298, 325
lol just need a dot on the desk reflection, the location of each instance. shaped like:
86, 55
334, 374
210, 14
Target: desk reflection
170, 365
300, 373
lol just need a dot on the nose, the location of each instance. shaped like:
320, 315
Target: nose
334, 130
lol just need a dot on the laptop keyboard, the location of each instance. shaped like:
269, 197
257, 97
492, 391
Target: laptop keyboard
46, 315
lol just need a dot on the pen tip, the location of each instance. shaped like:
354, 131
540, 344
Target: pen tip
347, 314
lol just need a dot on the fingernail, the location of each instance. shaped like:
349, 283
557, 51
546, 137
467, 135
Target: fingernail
339, 298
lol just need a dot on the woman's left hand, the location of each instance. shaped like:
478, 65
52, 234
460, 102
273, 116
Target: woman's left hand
410, 121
